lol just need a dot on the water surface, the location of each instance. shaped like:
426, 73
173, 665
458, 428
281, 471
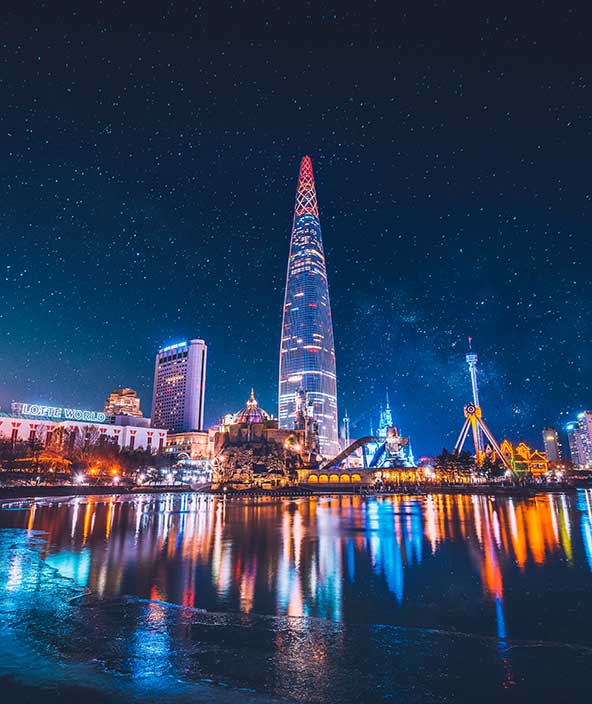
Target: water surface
339, 599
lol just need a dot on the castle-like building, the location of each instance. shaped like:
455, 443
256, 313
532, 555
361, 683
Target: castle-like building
250, 449
397, 448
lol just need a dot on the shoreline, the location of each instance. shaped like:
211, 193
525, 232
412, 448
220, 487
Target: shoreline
40, 492
64, 490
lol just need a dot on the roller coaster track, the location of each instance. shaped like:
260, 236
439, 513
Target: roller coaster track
338, 459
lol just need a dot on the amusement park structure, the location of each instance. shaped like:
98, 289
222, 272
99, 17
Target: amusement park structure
385, 449
474, 422
472, 364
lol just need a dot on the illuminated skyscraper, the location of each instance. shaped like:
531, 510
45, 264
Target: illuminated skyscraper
579, 435
574, 440
551, 443
179, 387
307, 350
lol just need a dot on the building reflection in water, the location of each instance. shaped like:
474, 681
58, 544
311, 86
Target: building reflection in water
585, 506
151, 644
322, 557
468, 563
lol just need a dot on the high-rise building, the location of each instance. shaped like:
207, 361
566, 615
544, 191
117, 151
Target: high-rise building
123, 402
579, 436
551, 443
307, 349
574, 441
585, 426
179, 387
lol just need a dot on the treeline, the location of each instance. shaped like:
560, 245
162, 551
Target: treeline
82, 455
463, 463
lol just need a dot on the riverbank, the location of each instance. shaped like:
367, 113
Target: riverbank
39, 492
520, 490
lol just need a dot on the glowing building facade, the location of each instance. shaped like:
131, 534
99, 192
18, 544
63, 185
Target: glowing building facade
179, 386
551, 442
123, 402
61, 429
307, 349
579, 435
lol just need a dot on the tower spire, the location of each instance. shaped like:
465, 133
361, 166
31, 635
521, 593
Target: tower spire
388, 415
306, 194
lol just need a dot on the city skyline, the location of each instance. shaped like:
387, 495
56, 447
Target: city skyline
562, 426
145, 200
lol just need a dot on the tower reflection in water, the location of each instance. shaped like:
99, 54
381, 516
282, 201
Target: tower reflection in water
438, 565
339, 558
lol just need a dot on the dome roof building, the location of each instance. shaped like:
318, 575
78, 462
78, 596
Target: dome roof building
252, 413
251, 450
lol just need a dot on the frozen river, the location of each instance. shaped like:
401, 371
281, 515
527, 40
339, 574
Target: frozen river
179, 597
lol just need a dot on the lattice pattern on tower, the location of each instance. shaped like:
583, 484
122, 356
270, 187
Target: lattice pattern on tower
306, 195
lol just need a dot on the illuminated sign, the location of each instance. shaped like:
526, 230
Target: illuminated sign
174, 347
57, 412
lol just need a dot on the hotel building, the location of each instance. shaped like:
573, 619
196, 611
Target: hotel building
179, 386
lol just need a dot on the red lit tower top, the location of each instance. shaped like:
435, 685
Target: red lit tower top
306, 194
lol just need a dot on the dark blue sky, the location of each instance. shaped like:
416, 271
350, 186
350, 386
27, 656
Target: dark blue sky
149, 158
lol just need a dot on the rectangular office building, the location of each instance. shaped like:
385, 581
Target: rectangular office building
179, 387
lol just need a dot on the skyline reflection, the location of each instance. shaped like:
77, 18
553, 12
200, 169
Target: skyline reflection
343, 558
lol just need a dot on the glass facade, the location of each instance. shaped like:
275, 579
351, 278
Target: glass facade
307, 349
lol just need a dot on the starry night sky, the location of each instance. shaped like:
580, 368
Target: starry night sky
149, 157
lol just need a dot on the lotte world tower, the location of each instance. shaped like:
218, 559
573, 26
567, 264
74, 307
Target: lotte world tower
307, 349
